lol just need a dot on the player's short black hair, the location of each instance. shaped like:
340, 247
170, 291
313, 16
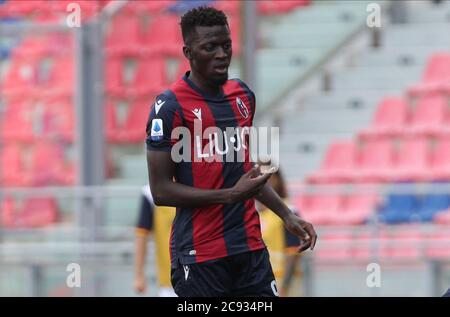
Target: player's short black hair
201, 16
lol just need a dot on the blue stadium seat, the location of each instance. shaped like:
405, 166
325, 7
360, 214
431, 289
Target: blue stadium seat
398, 208
431, 204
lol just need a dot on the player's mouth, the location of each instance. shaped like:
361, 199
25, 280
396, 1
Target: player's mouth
221, 69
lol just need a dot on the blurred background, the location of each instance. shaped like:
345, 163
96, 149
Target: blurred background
363, 111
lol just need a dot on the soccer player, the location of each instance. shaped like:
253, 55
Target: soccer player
156, 220
216, 245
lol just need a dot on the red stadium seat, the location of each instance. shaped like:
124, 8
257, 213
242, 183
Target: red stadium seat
319, 208
355, 209
147, 7
429, 116
375, 161
440, 160
436, 77
128, 130
164, 36
18, 121
59, 120
442, 218
21, 78
337, 165
124, 35
334, 246
390, 118
47, 164
34, 212
12, 168
412, 160
437, 245
406, 244
148, 77
137, 119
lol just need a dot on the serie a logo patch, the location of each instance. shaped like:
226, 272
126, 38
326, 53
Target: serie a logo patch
157, 132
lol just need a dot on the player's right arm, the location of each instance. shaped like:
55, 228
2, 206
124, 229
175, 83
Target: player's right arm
164, 118
167, 192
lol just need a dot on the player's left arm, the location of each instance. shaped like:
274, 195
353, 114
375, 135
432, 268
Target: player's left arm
299, 227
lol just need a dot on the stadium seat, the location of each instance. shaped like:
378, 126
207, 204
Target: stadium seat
136, 121
440, 160
148, 7
47, 164
390, 118
148, 76
21, 78
129, 128
356, 209
375, 161
164, 35
433, 203
337, 165
437, 245
34, 212
319, 208
59, 120
436, 77
398, 208
442, 218
429, 116
367, 245
124, 35
411, 160
12, 167
406, 244
17, 121
334, 246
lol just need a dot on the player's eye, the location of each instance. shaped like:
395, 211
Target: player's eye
227, 46
209, 47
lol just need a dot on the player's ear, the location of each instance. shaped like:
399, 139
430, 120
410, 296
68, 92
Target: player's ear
187, 52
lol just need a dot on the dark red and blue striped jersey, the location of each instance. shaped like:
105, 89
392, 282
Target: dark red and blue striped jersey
215, 231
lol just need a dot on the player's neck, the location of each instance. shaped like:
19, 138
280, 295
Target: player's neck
208, 88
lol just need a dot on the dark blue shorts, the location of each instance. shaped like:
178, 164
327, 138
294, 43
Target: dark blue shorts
245, 274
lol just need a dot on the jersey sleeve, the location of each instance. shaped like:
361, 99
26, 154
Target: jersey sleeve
145, 219
163, 119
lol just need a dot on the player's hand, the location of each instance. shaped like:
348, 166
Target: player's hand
303, 230
140, 284
249, 185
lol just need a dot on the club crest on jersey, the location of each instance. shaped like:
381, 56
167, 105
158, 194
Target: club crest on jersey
157, 132
242, 107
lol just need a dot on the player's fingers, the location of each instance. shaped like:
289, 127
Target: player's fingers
254, 171
262, 179
312, 234
305, 245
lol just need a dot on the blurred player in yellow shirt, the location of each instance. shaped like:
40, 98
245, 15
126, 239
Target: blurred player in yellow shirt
282, 245
155, 220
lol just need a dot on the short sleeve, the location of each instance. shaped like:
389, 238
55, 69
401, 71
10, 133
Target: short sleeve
163, 118
145, 219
